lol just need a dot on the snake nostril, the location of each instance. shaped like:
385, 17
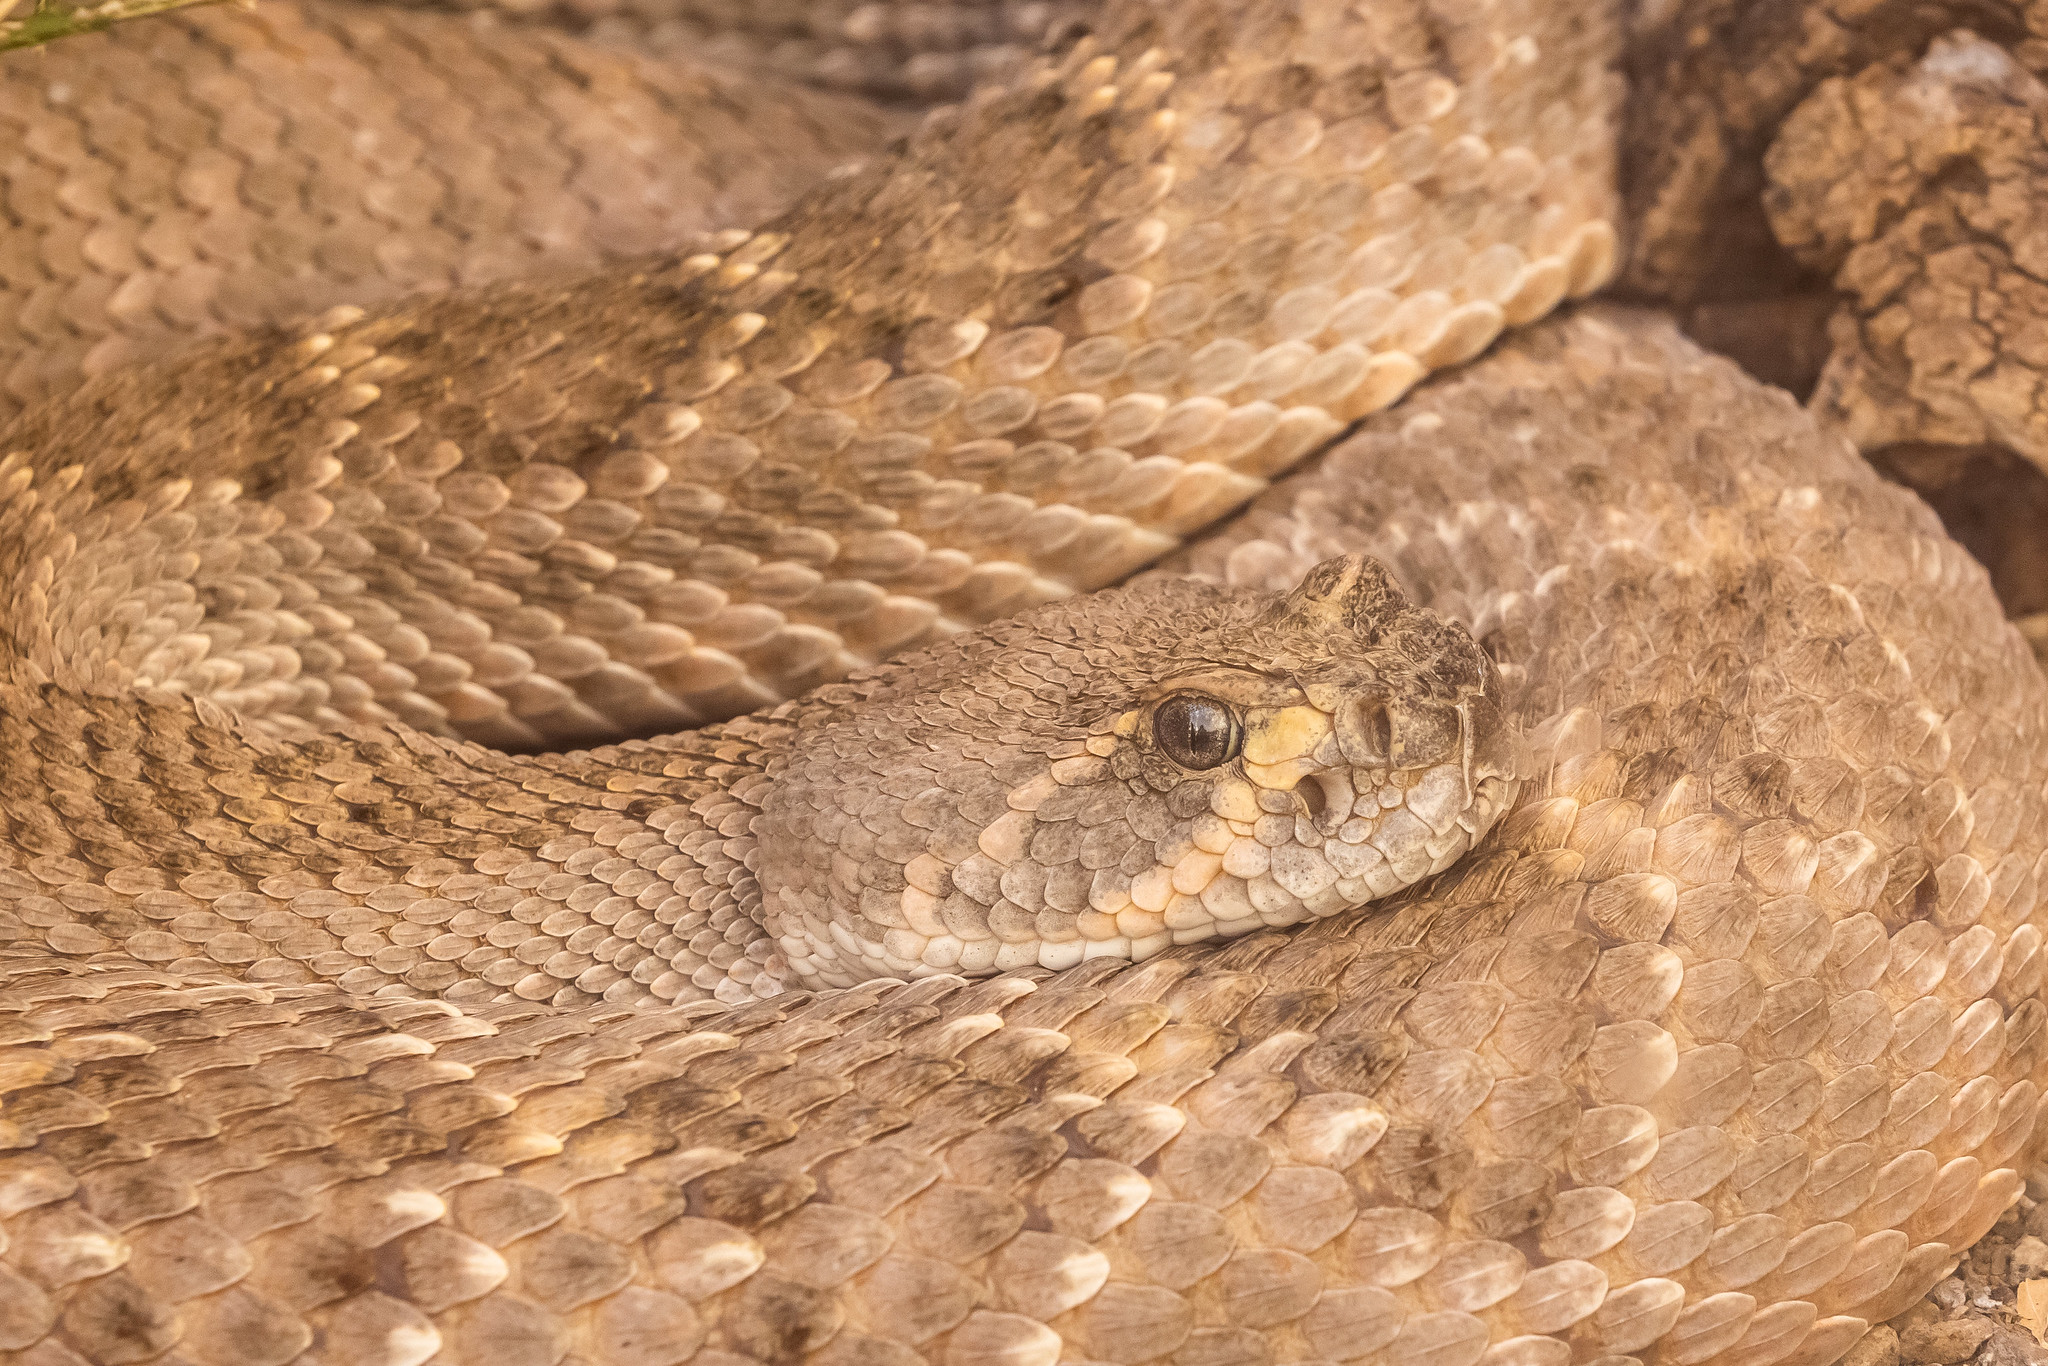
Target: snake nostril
1326, 798
1312, 798
1365, 731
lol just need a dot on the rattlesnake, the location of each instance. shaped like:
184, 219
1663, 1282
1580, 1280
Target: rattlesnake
1551, 882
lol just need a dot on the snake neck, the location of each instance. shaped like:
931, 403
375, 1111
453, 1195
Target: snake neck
386, 861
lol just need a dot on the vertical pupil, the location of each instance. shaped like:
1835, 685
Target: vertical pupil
1195, 731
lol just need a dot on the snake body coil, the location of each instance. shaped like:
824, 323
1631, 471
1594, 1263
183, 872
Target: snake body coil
1701, 781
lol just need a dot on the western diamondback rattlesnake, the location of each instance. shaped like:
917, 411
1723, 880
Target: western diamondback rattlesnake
336, 1035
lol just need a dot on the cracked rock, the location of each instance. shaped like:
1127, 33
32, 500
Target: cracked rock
1922, 188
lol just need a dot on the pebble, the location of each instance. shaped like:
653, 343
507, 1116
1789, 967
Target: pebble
1878, 1347
2029, 1258
1944, 1343
2012, 1347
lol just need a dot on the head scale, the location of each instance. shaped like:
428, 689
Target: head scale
1115, 774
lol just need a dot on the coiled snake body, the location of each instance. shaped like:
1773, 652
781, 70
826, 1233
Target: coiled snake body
1699, 770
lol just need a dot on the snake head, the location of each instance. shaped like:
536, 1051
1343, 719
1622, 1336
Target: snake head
1115, 774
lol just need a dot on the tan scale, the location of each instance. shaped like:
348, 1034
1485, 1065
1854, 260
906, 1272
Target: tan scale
1566, 1100
895, 50
222, 170
1730, 1097
677, 570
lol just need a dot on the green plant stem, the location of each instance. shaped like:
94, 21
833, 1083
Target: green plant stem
53, 19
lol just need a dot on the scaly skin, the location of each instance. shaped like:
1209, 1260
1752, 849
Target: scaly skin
227, 170
901, 409
647, 497
1720, 1045
895, 50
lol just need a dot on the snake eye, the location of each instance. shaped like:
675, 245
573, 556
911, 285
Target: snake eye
1197, 731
